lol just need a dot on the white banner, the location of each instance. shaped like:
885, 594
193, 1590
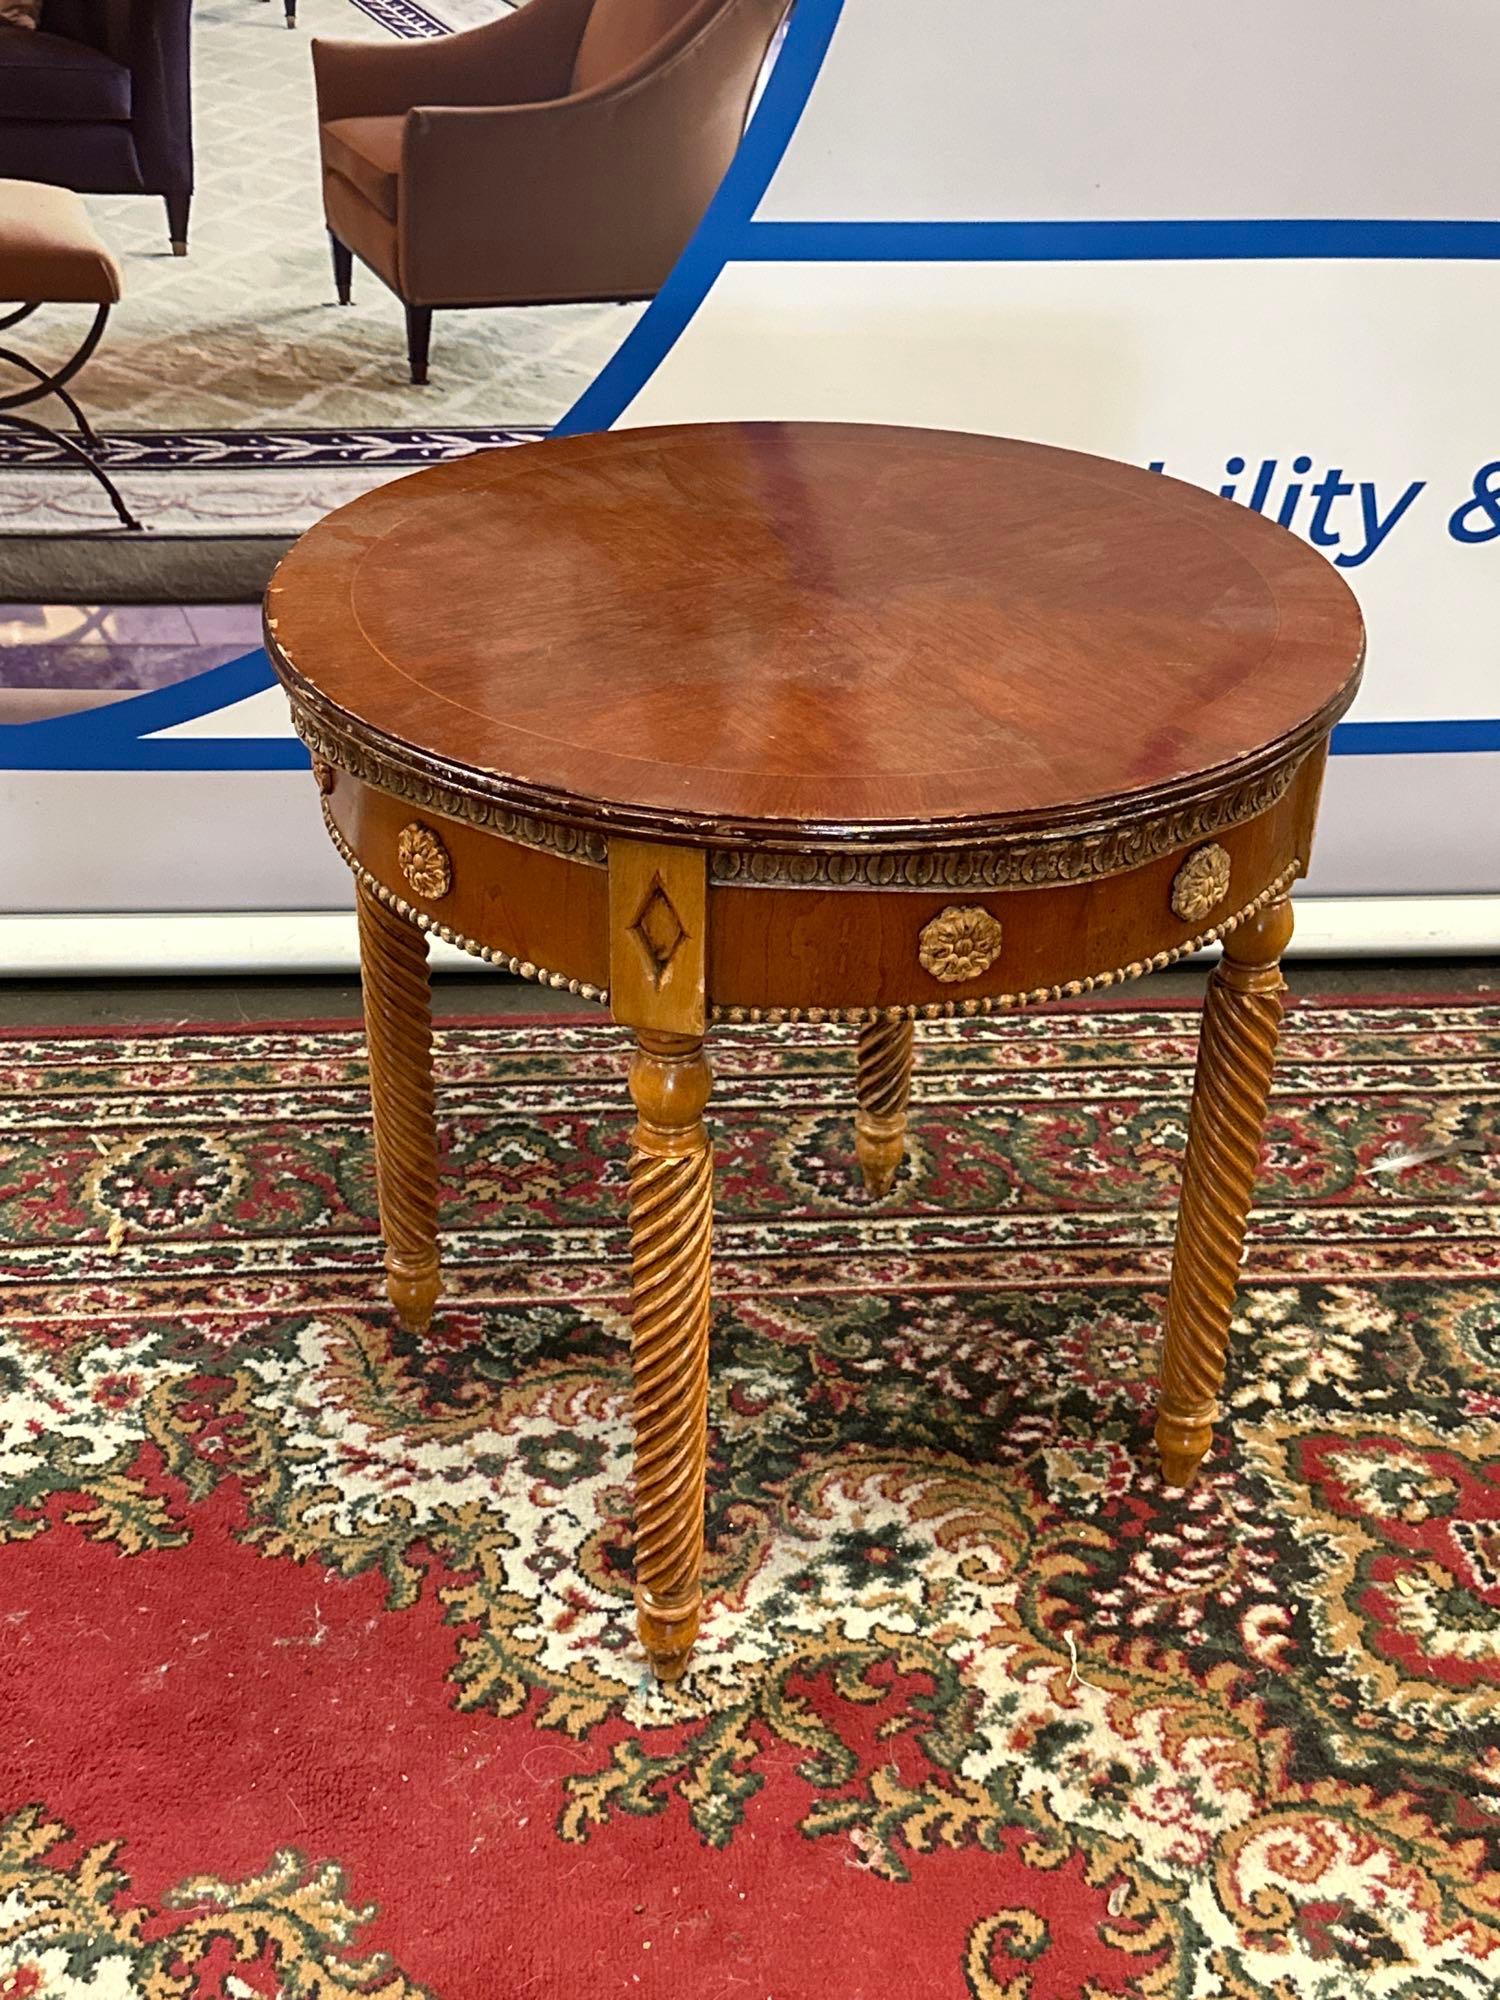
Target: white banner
1251, 247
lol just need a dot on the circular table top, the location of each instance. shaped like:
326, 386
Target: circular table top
820, 631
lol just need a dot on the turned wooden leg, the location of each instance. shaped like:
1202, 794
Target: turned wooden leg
1236, 1051
398, 1030
671, 1223
882, 1089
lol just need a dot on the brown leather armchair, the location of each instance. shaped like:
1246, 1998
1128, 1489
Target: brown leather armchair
565, 152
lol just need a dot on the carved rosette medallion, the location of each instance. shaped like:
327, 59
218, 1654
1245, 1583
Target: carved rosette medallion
322, 775
425, 863
1200, 884
959, 943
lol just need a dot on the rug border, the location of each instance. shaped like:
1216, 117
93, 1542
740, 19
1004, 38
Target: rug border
328, 1024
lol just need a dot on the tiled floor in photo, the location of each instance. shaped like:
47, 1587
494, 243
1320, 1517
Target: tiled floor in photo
57, 659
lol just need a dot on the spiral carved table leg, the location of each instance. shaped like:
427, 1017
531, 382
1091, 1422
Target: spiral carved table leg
882, 1088
1236, 1052
398, 1030
671, 1224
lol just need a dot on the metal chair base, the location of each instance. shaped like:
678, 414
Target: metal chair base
80, 450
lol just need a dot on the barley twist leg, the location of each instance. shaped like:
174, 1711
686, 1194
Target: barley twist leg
1236, 1052
671, 1223
882, 1088
398, 1031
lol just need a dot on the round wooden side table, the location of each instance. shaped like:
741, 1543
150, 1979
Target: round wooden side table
835, 723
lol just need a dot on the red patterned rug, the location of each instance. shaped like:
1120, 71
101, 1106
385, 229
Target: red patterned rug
317, 1673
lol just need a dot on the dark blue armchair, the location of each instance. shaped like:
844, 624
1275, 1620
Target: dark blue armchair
98, 98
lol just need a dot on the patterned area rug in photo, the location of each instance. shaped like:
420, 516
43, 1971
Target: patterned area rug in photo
317, 1670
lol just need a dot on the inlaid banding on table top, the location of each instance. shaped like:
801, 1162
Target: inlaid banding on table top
1024, 862
997, 1003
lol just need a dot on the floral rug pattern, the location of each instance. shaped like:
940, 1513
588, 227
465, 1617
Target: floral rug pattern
967, 1666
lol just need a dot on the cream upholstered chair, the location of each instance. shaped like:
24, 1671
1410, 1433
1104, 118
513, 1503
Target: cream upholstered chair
50, 255
565, 152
